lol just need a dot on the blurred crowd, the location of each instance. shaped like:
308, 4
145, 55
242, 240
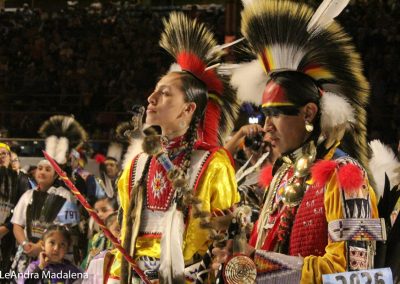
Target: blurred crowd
102, 59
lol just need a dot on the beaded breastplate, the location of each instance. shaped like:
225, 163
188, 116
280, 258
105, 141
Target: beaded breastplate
159, 191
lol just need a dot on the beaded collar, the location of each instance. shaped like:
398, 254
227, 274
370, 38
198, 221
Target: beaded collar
174, 146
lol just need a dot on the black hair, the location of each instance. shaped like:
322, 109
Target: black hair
112, 201
195, 91
60, 229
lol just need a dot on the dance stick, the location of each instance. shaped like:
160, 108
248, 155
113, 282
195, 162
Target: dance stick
93, 213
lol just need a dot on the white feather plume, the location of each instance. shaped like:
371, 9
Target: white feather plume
172, 263
336, 110
286, 56
383, 161
115, 151
325, 14
61, 150
220, 47
249, 79
67, 122
51, 145
175, 67
135, 148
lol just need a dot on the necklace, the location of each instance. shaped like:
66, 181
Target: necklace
268, 208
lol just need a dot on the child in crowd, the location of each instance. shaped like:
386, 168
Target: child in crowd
51, 267
104, 208
99, 267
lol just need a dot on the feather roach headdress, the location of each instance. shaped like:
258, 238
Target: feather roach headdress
290, 36
62, 133
195, 50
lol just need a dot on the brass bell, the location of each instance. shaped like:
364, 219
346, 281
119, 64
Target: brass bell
293, 193
302, 166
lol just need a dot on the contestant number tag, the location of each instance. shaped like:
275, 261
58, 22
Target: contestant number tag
372, 276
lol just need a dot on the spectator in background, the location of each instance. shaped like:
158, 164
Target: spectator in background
109, 171
24, 229
258, 154
98, 243
23, 179
12, 186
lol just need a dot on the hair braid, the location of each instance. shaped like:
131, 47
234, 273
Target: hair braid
191, 139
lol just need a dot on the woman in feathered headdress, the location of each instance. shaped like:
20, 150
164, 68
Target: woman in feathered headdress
194, 108
308, 79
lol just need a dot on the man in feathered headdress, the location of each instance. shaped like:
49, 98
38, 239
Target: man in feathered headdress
319, 214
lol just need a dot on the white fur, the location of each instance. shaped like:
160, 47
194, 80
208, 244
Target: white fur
172, 264
61, 151
249, 79
383, 161
51, 145
115, 151
135, 147
335, 110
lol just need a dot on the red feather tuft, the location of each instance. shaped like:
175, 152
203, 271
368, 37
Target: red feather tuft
322, 171
193, 64
350, 177
211, 122
100, 158
265, 176
214, 84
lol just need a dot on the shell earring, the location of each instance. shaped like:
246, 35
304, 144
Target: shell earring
309, 127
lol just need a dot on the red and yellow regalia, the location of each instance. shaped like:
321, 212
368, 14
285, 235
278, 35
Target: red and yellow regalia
319, 214
151, 228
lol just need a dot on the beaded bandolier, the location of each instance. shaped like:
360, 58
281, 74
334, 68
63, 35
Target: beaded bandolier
319, 204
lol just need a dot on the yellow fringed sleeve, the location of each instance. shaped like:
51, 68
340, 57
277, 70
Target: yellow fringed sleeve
217, 189
334, 259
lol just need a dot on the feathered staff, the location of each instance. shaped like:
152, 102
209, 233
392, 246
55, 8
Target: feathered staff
195, 50
97, 219
285, 35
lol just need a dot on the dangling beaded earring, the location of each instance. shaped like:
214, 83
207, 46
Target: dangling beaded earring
309, 127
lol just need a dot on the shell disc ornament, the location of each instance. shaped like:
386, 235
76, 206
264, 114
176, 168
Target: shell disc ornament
240, 269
